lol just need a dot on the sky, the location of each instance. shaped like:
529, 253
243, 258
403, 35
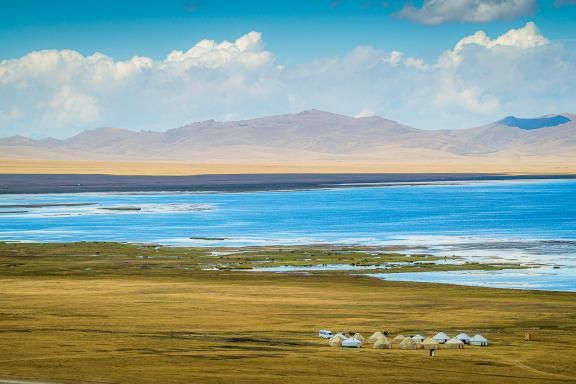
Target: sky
68, 66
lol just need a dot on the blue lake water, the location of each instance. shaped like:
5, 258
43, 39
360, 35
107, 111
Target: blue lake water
532, 222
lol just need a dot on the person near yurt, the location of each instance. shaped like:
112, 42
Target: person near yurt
359, 337
337, 340
408, 343
430, 343
463, 338
398, 339
351, 342
441, 337
418, 339
375, 336
382, 343
454, 343
478, 340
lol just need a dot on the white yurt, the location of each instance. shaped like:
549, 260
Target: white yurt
382, 343
358, 337
463, 338
479, 340
454, 343
336, 341
325, 334
441, 337
351, 343
418, 338
375, 336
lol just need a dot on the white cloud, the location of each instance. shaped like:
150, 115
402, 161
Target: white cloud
246, 51
67, 91
59, 93
523, 38
475, 11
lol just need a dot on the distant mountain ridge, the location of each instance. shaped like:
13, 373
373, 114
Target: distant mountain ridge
310, 136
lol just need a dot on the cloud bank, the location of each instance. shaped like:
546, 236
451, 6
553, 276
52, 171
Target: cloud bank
60, 92
434, 12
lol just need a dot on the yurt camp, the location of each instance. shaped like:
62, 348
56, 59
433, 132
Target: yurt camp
454, 343
441, 337
478, 340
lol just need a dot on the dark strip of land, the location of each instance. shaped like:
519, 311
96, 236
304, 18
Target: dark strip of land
74, 183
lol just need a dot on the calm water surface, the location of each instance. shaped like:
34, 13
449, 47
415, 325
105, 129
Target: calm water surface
532, 222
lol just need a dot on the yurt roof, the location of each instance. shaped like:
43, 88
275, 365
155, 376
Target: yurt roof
358, 336
441, 336
398, 338
407, 341
462, 336
478, 337
429, 341
417, 337
376, 335
454, 341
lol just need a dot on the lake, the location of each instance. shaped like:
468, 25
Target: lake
532, 222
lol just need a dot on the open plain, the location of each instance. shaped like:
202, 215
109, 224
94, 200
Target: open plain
106, 313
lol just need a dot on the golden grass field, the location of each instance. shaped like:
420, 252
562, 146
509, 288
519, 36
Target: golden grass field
470, 165
60, 323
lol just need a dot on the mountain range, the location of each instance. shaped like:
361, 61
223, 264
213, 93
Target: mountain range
311, 136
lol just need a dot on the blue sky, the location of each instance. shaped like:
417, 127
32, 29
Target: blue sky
299, 42
296, 30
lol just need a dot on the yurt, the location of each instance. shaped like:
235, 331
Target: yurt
418, 339
479, 340
336, 341
454, 343
463, 338
325, 334
398, 339
358, 337
441, 337
351, 343
382, 343
430, 343
375, 336
408, 343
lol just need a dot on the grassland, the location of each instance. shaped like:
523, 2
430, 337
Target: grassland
114, 313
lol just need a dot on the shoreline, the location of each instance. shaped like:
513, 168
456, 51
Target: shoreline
34, 184
384, 263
